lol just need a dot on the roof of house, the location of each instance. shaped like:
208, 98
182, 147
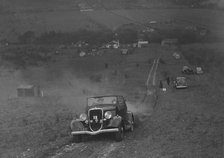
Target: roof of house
25, 86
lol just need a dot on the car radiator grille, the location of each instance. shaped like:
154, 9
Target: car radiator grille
95, 117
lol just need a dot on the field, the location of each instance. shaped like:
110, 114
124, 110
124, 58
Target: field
175, 123
15, 24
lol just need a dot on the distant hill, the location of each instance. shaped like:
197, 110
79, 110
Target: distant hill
52, 5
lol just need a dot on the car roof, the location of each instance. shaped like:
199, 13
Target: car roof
105, 96
181, 77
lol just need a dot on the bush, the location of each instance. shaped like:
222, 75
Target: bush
92, 37
25, 57
127, 36
127, 33
206, 58
27, 38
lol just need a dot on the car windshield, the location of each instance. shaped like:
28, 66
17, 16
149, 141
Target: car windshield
181, 80
101, 100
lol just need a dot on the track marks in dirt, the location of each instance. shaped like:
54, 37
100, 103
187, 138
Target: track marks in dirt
69, 148
152, 73
105, 151
87, 150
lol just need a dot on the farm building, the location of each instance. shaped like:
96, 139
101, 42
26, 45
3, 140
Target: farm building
169, 42
29, 91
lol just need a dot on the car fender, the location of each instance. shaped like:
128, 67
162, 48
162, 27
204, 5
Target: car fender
76, 125
115, 121
129, 117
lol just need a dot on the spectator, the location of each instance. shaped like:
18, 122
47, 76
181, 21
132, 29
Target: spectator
106, 65
168, 80
160, 84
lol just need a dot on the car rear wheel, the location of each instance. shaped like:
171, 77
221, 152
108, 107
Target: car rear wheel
76, 138
119, 136
132, 125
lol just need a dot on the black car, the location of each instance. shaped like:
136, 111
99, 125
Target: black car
104, 114
187, 70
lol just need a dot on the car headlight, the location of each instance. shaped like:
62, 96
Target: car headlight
83, 117
114, 102
108, 115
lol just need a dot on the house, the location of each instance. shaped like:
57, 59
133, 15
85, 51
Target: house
113, 44
153, 22
29, 91
169, 42
142, 43
82, 54
203, 32
83, 7
81, 44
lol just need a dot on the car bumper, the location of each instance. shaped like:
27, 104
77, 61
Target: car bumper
180, 87
95, 132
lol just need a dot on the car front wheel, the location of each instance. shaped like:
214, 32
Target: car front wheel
119, 136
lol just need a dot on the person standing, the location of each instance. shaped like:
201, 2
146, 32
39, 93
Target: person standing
160, 84
168, 80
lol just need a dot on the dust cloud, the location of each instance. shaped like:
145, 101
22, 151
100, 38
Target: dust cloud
66, 87
61, 86
140, 108
9, 81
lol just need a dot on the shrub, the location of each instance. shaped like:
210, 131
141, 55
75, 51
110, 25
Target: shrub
27, 37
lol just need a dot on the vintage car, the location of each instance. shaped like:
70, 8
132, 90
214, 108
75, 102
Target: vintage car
176, 55
104, 114
180, 82
187, 70
199, 70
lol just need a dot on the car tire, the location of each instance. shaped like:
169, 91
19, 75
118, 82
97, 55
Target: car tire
132, 125
76, 138
119, 136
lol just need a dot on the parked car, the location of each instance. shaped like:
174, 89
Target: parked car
82, 54
104, 114
187, 70
176, 55
180, 82
199, 70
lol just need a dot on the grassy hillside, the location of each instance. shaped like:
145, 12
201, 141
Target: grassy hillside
35, 5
